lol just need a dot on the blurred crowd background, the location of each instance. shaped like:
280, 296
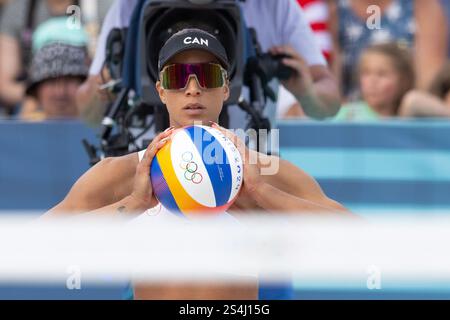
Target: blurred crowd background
399, 68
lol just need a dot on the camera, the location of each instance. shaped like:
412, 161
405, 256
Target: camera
132, 58
272, 66
266, 67
161, 19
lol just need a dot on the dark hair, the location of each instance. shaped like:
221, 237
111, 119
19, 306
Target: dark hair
441, 82
402, 61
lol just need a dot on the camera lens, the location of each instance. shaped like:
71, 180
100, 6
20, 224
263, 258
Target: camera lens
282, 71
271, 66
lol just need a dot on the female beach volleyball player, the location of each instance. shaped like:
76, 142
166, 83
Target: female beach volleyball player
193, 85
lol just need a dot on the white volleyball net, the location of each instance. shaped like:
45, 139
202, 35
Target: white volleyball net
274, 247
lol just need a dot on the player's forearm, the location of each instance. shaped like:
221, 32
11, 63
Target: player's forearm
271, 198
126, 206
286, 176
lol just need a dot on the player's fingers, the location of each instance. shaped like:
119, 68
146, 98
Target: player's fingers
230, 135
166, 133
240, 145
162, 135
155, 148
238, 142
152, 149
144, 165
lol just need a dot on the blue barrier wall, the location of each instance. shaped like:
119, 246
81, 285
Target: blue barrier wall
39, 162
389, 166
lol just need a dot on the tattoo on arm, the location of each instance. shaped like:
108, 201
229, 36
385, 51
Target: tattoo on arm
122, 209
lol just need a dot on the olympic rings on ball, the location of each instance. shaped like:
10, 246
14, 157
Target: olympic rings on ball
191, 167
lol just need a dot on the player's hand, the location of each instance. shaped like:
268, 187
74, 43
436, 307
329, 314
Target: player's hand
142, 188
252, 175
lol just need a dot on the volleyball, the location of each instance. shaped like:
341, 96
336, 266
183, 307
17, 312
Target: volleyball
198, 171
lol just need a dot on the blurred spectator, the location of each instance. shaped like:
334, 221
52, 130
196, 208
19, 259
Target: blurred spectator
56, 72
385, 74
17, 24
446, 5
2, 4
19, 19
54, 30
316, 13
418, 24
434, 103
281, 27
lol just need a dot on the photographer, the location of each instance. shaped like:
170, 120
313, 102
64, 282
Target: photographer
281, 28
19, 20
